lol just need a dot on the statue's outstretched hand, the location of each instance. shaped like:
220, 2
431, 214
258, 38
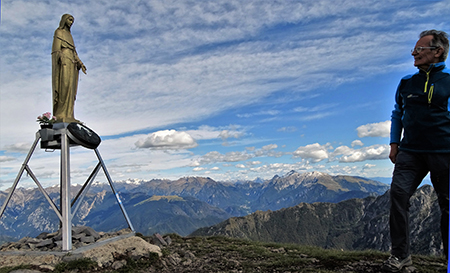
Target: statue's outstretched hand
83, 68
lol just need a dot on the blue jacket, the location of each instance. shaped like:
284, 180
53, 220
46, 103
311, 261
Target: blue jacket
421, 111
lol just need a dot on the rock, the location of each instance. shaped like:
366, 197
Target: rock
81, 236
15, 260
32, 241
72, 257
87, 239
56, 235
24, 240
160, 239
168, 240
45, 243
279, 250
409, 269
87, 231
118, 264
174, 259
25, 271
104, 255
14, 254
43, 235
47, 267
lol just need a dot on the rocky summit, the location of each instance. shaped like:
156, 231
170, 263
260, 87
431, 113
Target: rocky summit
81, 236
108, 251
222, 254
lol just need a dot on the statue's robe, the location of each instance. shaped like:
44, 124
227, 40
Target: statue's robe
65, 69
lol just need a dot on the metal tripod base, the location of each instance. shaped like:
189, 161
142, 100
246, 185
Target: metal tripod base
66, 211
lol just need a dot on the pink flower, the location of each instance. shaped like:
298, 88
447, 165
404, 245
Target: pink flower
46, 118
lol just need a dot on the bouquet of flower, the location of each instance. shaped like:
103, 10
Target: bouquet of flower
46, 118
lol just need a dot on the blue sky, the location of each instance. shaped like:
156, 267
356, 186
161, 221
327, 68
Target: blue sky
231, 90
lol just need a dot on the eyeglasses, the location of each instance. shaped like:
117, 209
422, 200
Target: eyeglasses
420, 48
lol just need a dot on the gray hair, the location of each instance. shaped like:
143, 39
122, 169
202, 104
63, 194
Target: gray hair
440, 39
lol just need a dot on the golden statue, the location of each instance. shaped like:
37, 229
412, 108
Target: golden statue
65, 69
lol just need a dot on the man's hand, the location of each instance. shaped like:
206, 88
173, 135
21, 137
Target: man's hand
393, 153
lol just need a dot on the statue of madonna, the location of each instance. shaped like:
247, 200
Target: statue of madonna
65, 68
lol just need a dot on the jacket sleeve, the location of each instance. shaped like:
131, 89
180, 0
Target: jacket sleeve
396, 118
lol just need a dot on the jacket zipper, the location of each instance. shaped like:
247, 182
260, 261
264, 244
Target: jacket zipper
430, 92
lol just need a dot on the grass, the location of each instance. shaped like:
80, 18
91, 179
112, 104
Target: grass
8, 269
223, 254
275, 257
82, 264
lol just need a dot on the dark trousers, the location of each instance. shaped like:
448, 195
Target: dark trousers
410, 169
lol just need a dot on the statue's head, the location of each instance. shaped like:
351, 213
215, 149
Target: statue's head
66, 19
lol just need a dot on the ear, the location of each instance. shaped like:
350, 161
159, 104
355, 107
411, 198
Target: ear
439, 52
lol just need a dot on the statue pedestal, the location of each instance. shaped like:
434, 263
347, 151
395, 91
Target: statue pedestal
51, 138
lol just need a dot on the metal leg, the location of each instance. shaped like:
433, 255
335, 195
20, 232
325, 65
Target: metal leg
49, 200
114, 191
66, 223
19, 175
82, 193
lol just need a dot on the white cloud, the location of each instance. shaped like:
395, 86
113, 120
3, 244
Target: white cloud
357, 143
368, 166
253, 163
380, 129
289, 129
4, 158
344, 154
262, 113
269, 147
214, 156
226, 134
166, 140
315, 152
21, 147
316, 112
375, 152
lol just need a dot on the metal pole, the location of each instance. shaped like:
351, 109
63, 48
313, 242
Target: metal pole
65, 207
82, 193
49, 200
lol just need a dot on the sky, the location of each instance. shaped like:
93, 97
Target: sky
231, 90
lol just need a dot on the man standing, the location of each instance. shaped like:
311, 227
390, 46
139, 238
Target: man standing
422, 113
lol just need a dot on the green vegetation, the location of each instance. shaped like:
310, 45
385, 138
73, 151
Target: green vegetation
224, 254
82, 264
8, 269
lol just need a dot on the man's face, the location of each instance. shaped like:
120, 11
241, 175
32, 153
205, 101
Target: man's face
426, 56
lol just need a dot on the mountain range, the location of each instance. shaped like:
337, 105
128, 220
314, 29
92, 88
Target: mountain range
181, 206
354, 224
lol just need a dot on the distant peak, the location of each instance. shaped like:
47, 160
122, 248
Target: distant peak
315, 173
292, 172
305, 174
